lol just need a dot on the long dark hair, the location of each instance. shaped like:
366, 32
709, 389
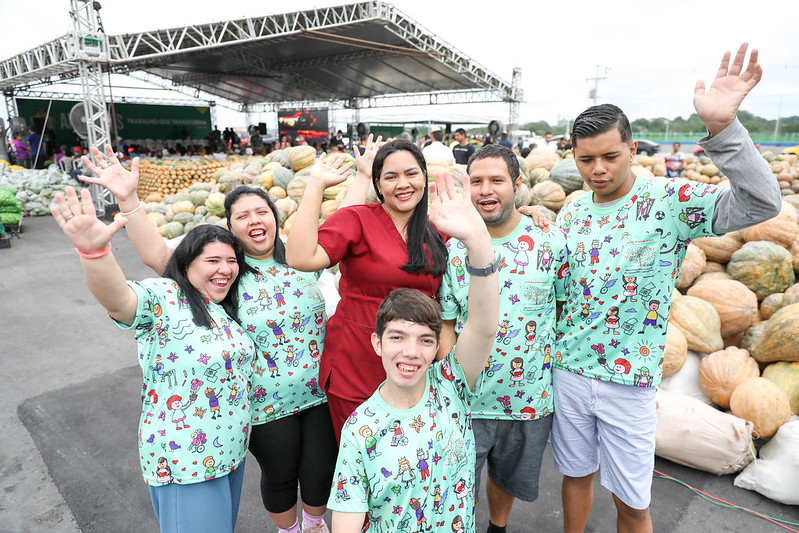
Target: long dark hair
187, 251
279, 249
421, 233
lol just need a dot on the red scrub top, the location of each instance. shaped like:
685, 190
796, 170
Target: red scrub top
370, 252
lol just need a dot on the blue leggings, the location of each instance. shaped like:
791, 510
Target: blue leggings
205, 506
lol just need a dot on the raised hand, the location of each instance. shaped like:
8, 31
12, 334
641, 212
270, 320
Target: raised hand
364, 161
331, 173
112, 175
78, 220
452, 214
718, 105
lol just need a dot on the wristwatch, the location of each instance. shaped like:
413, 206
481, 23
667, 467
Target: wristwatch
485, 271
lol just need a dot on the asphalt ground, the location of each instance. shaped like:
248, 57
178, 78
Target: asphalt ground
70, 404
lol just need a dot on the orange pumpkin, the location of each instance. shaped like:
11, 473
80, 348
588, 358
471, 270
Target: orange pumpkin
676, 350
735, 303
692, 266
782, 229
548, 193
721, 372
700, 323
786, 376
720, 249
763, 403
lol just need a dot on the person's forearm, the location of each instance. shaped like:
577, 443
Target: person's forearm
358, 190
754, 195
302, 244
106, 281
151, 248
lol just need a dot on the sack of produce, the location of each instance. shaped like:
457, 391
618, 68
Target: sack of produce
776, 474
692, 433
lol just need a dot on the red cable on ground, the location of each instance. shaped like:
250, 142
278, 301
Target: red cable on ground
728, 503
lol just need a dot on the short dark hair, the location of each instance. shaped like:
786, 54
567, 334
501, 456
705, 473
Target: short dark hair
187, 251
599, 119
411, 305
497, 150
421, 232
279, 250
461, 131
437, 135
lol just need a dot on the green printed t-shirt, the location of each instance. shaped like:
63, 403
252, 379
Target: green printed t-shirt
517, 382
195, 419
411, 469
283, 311
624, 261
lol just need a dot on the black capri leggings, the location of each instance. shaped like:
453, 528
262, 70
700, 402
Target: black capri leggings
299, 448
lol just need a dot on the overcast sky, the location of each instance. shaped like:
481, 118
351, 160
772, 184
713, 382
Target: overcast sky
651, 53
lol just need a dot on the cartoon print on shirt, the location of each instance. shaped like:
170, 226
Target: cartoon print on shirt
644, 206
163, 375
460, 272
277, 330
422, 465
630, 288
621, 367
545, 257
612, 320
624, 212
370, 442
264, 300
516, 371
175, 403
692, 216
213, 403
642, 378
652, 315
594, 252
163, 472
405, 473
580, 255
529, 335
461, 491
521, 259
505, 334
315, 354
586, 227
279, 298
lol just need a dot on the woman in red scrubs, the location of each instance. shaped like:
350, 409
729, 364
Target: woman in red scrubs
379, 247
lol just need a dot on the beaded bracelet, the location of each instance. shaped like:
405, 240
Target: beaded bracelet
130, 212
95, 255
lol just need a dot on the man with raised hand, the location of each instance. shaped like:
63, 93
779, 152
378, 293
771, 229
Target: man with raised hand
511, 416
604, 382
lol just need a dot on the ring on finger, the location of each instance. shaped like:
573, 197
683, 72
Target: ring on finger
69, 217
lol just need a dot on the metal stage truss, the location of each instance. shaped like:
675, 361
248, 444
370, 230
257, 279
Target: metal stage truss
357, 56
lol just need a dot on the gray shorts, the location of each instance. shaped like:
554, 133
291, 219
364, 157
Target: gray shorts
514, 449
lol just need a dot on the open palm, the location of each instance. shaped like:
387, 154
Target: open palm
718, 105
121, 182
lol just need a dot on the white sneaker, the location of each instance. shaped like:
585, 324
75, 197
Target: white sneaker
321, 528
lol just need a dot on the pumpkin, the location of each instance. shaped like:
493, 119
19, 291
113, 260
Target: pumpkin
542, 158
712, 275
183, 206
565, 174
641, 171
286, 205
762, 266
699, 322
692, 266
277, 192
281, 157
183, 217
537, 175
173, 229
794, 249
154, 197
791, 296
301, 157
523, 196
157, 219
782, 229
328, 208
216, 204
720, 249
722, 371
676, 350
735, 303
201, 210
770, 304
198, 197
763, 403
548, 193
282, 176
713, 267
786, 376
296, 187
779, 337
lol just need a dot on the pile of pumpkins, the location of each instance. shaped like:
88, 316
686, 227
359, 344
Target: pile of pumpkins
283, 173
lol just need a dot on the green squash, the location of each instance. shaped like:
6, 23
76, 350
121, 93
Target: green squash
282, 176
198, 197
183, 217
778, 339
173, 229
786, 376
762, 266
565, 174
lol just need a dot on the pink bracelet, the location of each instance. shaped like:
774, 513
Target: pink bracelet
95, 255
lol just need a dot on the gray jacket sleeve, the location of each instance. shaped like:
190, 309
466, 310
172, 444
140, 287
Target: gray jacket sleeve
753, 195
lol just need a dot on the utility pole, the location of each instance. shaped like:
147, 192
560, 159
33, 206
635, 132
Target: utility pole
596, 79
